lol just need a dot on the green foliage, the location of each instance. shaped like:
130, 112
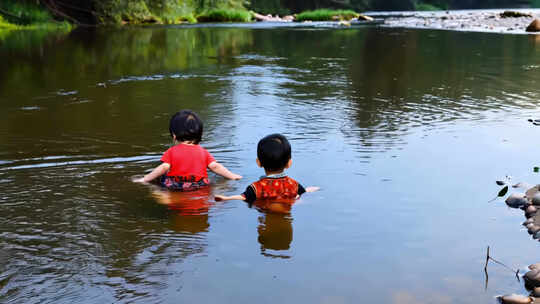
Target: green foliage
269, 7
4, 25
225, 15
426, 7
24, 13
535, 3
326, 15
158, 11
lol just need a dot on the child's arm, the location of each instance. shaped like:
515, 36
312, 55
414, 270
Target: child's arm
219, 169
157, 172
312, 189
220, 198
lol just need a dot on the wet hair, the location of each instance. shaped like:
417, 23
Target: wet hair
274, 152
186, 126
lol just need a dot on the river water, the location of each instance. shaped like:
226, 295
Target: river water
405, 131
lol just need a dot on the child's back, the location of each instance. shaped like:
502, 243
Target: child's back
184, 164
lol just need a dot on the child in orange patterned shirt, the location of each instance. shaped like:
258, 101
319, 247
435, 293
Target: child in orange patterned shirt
274, 155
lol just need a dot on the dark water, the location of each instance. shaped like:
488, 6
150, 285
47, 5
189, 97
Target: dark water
405, 131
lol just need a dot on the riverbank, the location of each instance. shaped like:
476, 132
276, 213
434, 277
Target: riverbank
463, 20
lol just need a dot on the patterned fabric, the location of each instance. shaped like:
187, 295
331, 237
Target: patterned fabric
182, 183
283, 188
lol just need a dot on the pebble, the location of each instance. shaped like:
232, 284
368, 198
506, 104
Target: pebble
516, 299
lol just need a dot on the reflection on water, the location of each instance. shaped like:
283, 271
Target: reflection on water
404, 130
275, 233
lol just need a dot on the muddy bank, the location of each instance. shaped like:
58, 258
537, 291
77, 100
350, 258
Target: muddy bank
464, 20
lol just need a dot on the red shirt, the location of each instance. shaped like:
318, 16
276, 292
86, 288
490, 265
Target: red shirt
187, 161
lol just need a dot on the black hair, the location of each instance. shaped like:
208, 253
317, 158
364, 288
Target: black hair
186, 126
274, 152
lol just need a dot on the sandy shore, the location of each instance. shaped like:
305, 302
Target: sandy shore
465, 20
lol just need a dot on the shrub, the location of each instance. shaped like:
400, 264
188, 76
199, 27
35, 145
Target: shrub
326, 15
225, 15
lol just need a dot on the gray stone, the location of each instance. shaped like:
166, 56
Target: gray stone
536, 292
516, 200
531, 192
536, 199
533, 277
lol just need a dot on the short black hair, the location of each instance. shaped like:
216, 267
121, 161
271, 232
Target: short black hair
274, 152
186, 126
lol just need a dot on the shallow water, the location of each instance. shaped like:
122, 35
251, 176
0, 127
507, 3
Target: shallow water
405, 131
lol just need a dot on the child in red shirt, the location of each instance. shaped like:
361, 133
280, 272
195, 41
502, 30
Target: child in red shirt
184, 164
276, 188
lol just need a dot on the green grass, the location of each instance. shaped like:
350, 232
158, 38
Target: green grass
326, 15
225, 15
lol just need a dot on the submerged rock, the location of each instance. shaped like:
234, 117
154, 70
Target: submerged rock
516, 200
534, 26
533, 277
516, 299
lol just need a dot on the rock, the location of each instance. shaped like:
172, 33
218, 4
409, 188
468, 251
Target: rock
344, 23
500, 183
536, 199
516, 299
533, 229
528, 226
533, 277
536, 235
534, 266
530, 210
534, 26
288, 18
528, 222
531, 192
516, 200
513, 14
365, 18
536, 292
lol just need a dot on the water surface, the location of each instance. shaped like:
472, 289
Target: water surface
405, 132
